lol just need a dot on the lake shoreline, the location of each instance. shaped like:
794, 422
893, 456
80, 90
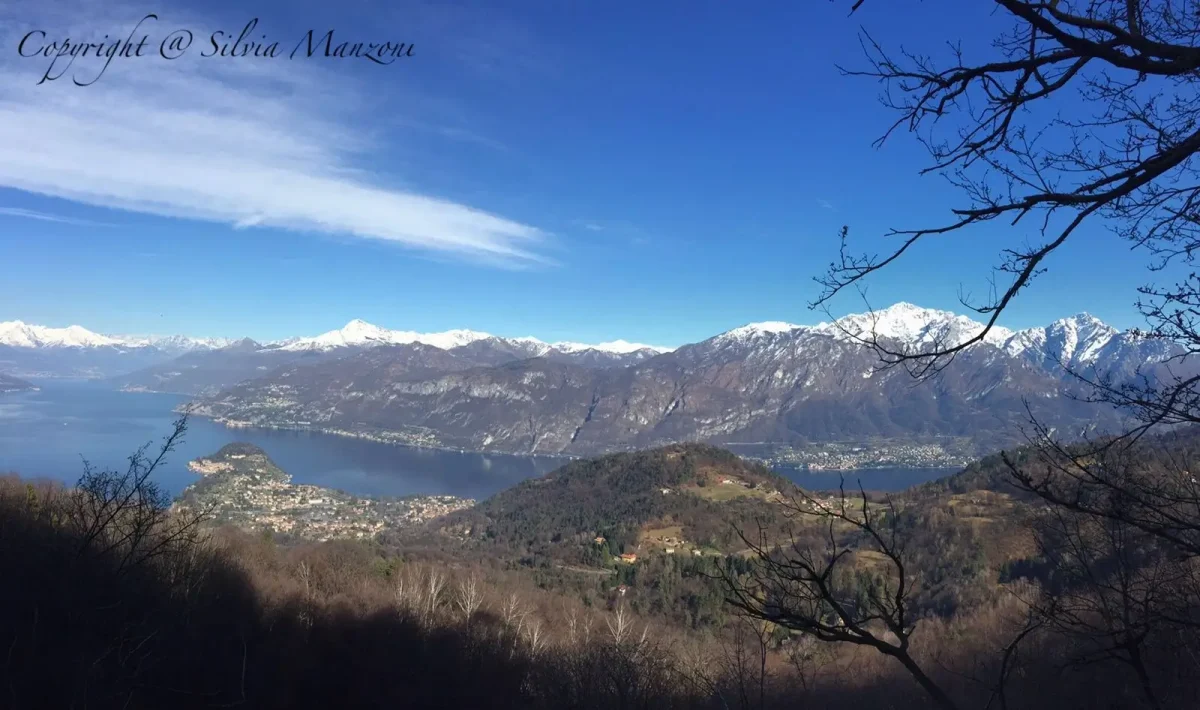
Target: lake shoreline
799, 469
46, 434
363, 436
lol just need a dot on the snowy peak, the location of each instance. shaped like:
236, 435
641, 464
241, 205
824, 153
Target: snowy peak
174, 343
359, 333
752, 332
913, 326
616, 347
1081, 339
1077, 340
449, 339
21, 335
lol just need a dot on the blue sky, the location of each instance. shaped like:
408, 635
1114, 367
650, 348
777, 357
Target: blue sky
657, 172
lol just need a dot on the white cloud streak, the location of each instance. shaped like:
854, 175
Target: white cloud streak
267, 143
46, 217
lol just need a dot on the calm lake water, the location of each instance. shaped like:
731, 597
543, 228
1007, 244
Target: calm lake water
47, 433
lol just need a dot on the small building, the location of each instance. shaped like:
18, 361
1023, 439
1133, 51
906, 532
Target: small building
599, 540
629, 557
665, 491
670, 550
696, 553
726, 481
621, 590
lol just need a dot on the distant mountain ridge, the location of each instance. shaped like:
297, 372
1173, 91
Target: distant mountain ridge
772, 383
18, 334
74, 351
359, 333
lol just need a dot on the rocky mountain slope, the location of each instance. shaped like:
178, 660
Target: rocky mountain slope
205, 372
208, 371
772, 383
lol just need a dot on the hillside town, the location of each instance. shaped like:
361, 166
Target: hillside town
240, 485
884, 453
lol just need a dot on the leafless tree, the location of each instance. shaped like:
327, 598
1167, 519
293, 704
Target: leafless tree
534, 636
304, 572
589, 621
403, 592
126, 515
1078, 115
513, 612
468, 597
1109, 591
572, 619
810, 586
806, 655
435, 582
1147, 484
746, 653
1004, 124
620, 625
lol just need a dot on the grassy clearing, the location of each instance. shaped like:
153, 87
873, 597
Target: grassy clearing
721, 492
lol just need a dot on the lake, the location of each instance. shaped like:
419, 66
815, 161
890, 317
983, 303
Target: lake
47, 433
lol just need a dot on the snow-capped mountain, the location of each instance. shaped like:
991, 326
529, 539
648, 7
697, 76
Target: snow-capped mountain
617, 347
18, 334
1077, 341
756, 331
917, 329
766, 383
912, 327
22, 335
176, 343
40, 351
359, 333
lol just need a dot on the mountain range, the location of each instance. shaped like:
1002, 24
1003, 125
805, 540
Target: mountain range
773, 384
38, 351
187, 365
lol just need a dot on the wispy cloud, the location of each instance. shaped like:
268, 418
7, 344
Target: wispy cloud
617, 230
45, 217
826, 204
245, 143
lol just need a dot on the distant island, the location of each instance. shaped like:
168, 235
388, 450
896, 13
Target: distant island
8, 383
240, 485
